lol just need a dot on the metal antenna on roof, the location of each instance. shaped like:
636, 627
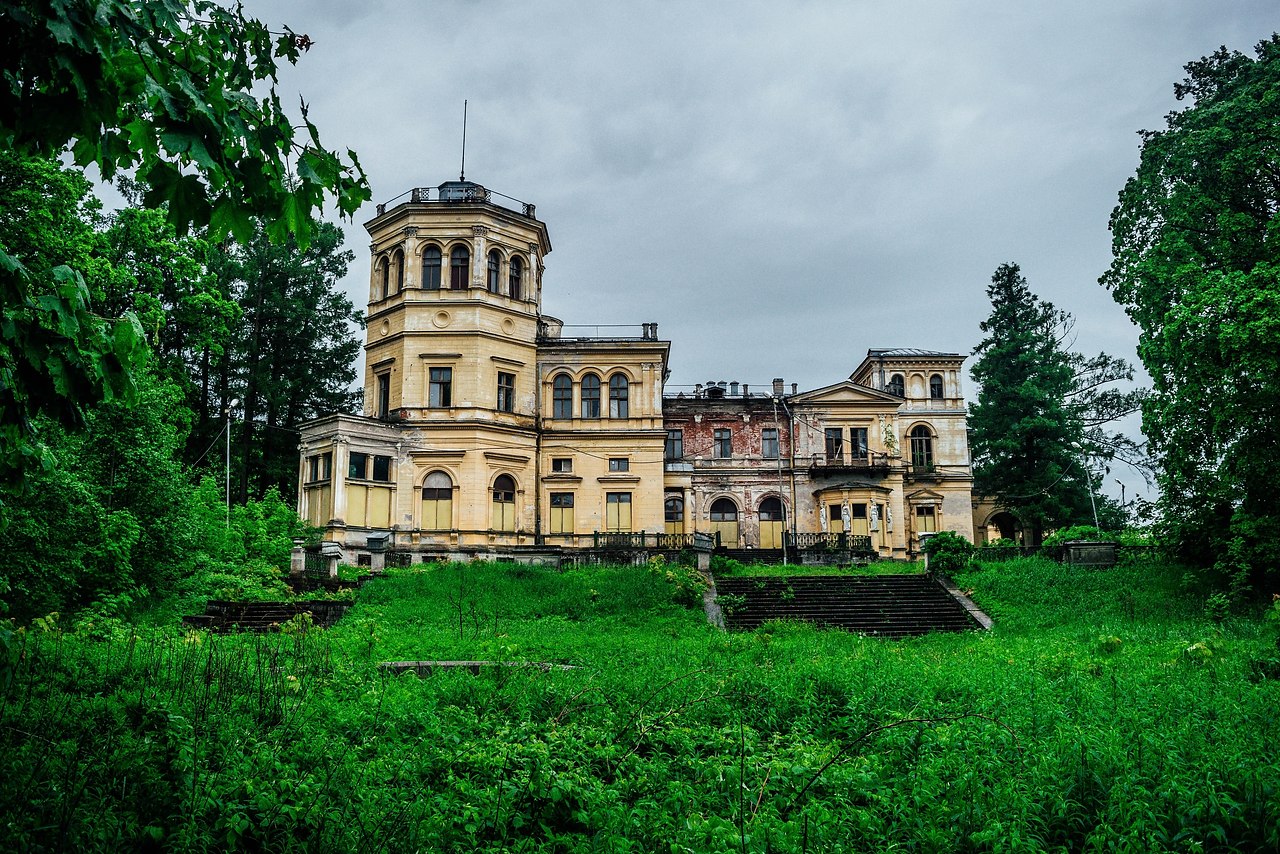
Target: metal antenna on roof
462, 176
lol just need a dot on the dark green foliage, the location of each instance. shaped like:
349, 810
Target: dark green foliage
1196, 264
1104, 713
1039, 419
182, 94
948, 552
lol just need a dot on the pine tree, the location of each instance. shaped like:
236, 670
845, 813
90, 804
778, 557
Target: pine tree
1024, 432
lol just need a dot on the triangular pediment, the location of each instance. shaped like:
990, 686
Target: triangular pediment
847, 392
923, 495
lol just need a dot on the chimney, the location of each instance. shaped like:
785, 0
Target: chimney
794, 388
697, 389
777, 387
733, 388
745, 393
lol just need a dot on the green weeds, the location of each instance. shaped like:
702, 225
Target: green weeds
1081, 722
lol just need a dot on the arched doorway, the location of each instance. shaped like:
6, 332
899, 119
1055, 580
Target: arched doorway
724, 521
437, 502
503, 516
772, 518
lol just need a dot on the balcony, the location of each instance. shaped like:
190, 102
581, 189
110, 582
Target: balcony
874, 464
459, 192
553, 330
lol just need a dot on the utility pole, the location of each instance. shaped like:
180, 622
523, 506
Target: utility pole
230, 403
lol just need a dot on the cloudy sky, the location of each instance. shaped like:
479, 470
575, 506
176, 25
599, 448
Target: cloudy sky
780, 185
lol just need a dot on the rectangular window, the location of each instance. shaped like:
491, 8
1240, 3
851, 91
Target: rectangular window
357, 465
382, 469
674, 449
506, 392
858, 442
769, 443
440, 393
319, 467
617, 514
619, 464
721, 444
563, 465
561, 513
926, 520
835, 444
384, 395
858, 513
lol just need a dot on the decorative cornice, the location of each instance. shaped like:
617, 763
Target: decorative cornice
479, 230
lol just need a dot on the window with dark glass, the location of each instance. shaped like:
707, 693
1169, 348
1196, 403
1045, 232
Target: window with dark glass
769, 443
431, 268
834, 444
897, 385
674, 448
506, 392
618, 394
437, 502
384, 395
921, 447
398, 265
384, 278
858, 442
357, 465
562, 397
619, 464
382, 468
673, 509
721, 444
563, 465
440, 387
459, 261
724, 510
590, 396
935, 387
319, 467
516, 278
771, 510
495, 268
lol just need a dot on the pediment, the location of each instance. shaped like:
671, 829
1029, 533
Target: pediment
847, 392
923, 495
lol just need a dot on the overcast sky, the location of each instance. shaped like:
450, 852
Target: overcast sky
780, 185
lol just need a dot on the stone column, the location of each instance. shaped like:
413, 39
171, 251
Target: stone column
339, 474
298, 557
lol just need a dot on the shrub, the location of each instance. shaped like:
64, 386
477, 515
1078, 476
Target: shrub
948, 551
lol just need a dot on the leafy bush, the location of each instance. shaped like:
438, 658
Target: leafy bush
948, 552
1079, 532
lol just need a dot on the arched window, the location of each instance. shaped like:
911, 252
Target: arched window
590, 396
495, 265
618, 393
516, 278
437, 502
771, 523
673, 514
459, 261
724, 521
897, 386
504, 504
935, 387
562, 397
384, 278
398, 269
921, 447
431, 268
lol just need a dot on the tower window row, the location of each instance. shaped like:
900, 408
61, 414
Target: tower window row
589, 397
504, 275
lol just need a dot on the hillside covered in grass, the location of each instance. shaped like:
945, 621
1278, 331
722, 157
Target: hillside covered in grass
1105, 711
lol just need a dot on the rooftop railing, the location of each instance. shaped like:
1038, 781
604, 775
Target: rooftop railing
469, 193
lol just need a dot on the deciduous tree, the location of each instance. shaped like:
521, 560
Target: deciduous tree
1196, 264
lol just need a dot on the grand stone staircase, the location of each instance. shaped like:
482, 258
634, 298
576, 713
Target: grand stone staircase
223, 616
890, 606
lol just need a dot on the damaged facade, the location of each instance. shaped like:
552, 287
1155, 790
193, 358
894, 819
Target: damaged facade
490, 428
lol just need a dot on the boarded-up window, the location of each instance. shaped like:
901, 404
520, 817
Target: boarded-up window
561, 513
437, 502
504, 504
617, 511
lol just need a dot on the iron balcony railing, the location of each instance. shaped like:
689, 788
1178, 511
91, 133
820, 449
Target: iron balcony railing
635, 541
824, 541
460, 195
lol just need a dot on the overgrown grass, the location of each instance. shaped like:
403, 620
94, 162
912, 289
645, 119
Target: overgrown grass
881, 567
1105, 711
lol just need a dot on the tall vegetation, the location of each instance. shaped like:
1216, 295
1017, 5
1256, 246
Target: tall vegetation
180, 93
1196, 264
1042, 415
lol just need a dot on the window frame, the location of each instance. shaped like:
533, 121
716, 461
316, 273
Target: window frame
770, 443
897, 385
619, 464
562, 465
937, 387
363, 472
459, 273
562, 397
673, 446
383, 462
833, 444
506, 392
515, 277
613, 521
590, 384
921, 438
431, 281
721, 443
439, 391
619, 397
562, 522
382, 402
